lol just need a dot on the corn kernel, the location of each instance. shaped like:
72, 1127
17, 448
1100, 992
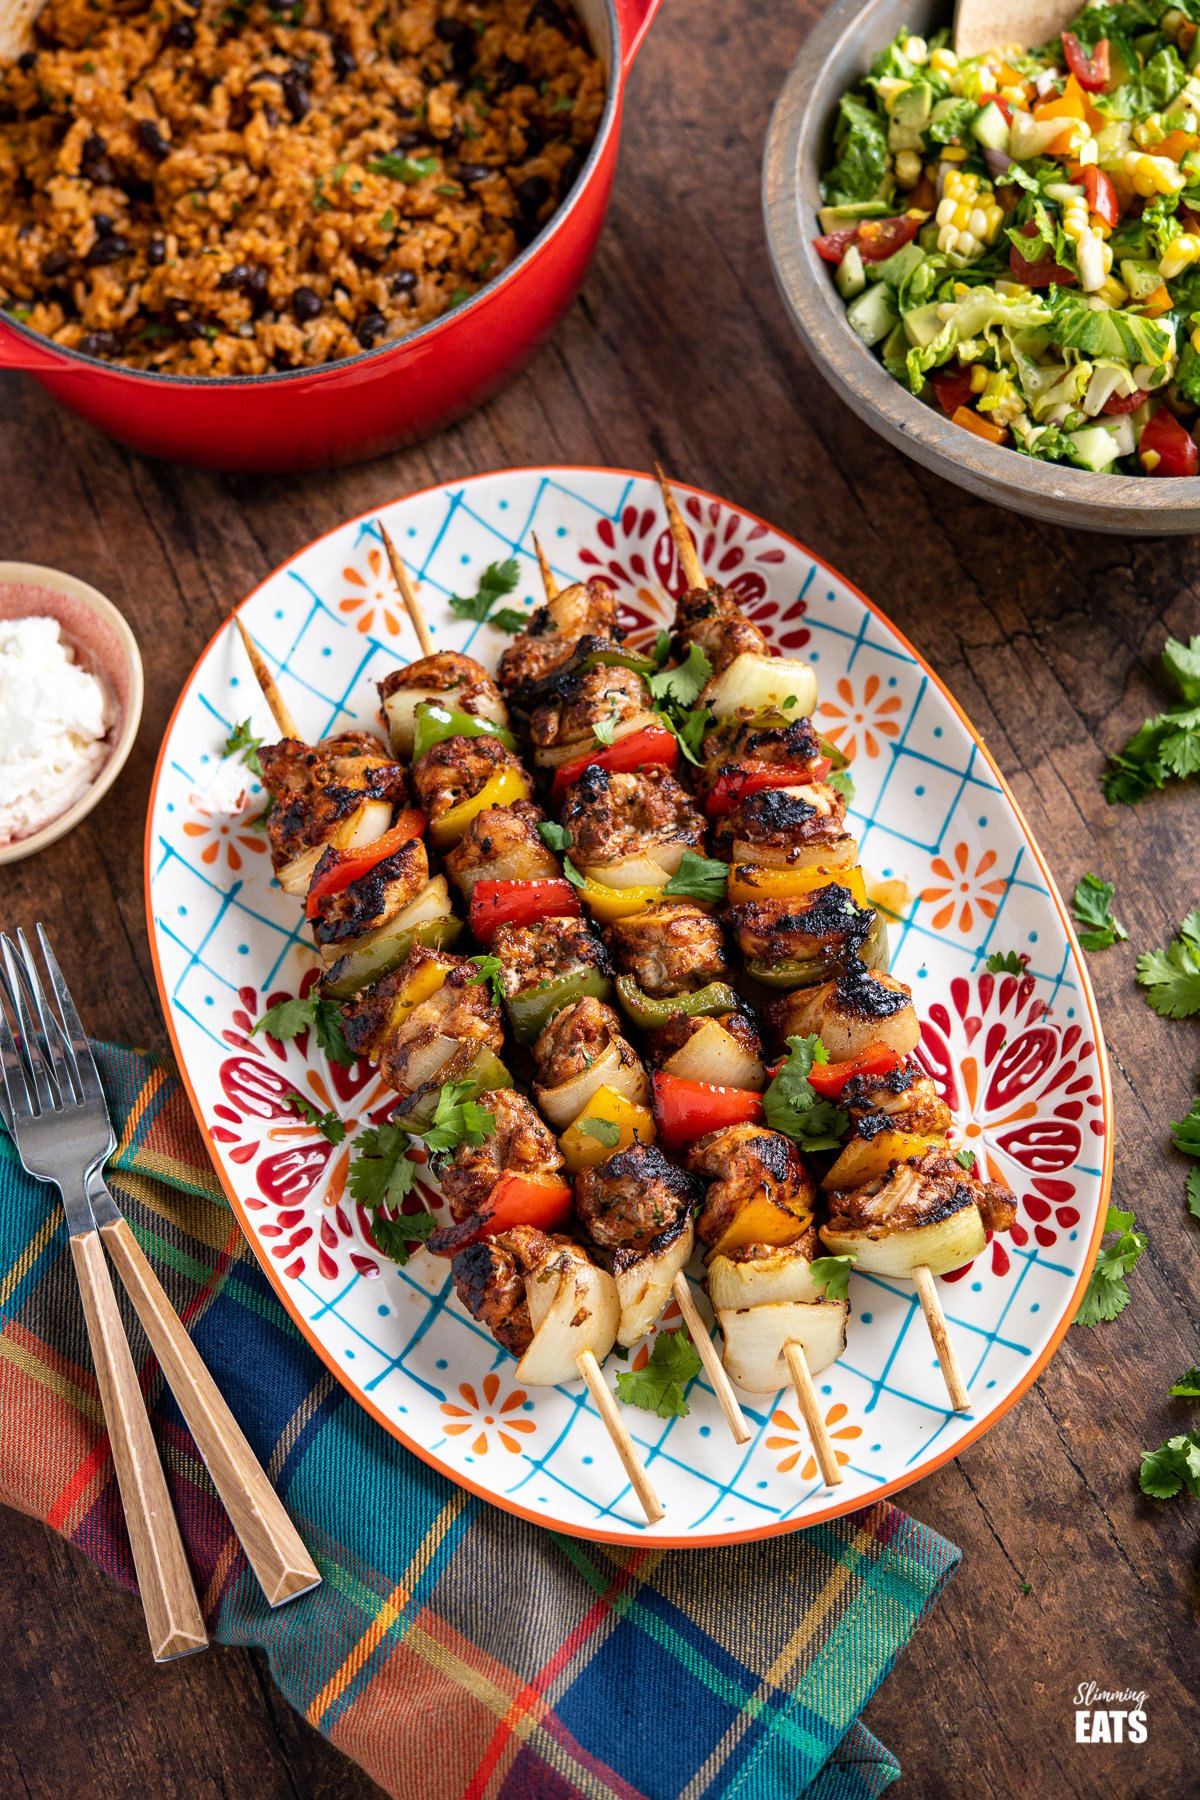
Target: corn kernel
1153, 174
916, 49
954, 153
1178, 255
1115, 292
1014, 95
1150, 460
1196, 340
944, 62
979, 378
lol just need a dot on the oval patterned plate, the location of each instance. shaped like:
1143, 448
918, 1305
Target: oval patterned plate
1019, 1059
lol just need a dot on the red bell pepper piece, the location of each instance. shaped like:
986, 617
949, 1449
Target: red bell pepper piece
1101, 195
738, 782
828, 1079
686, 1110
540, 1200
1166, 439
1091, 72
874, 239
495, 903
338, 868
1038, 274
653, 744
952, 388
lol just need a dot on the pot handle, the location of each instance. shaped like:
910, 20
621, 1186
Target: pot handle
17, 352
635, 18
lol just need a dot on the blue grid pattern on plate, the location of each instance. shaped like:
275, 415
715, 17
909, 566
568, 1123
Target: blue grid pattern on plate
299, 628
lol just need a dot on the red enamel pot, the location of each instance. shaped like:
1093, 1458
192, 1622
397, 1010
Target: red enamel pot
345, 411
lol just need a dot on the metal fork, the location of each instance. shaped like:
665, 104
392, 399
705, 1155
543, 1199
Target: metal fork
273, 1546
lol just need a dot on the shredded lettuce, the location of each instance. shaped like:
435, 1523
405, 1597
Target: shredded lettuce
982, 312
1187, 375
862, 154
1152, 90
1127, 336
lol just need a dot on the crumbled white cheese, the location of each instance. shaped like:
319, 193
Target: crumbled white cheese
54, 716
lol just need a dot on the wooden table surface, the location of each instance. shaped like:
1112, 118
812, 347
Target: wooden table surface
679, 349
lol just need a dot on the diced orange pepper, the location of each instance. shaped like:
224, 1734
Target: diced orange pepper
973, 421
1186, 36
1156, 303
1007, 76
1175, 145
1070, 104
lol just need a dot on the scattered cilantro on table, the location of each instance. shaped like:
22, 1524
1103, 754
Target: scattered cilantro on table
241, 743
1168, 745
331, 1128
289, 1018
498, 579
1186, 1131
1106, 1294
1092, 907
1171, 977
791, 1104
660, 1385
1174, 1465
1188, 1385
1006, 962
832, 1275
1193, 1192
699, 878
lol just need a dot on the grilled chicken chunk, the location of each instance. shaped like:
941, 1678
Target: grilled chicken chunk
501, 844
799, 819
593, 697
627, 1200
923, 1191
672, 948
576, 1038
457, 769
857, 1009
586, 609
730, 747
489, 1279
746, 1164
903, 1100
614, 816
315, 788
545, 951
825, 924
374, 898
660, 1045
712, 618
466, 683
461, 1009
520, 1145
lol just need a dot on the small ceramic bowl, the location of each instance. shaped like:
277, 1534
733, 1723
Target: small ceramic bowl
103, 644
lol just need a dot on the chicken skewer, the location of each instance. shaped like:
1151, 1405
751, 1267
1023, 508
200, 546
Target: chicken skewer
582, 1311
900, 1203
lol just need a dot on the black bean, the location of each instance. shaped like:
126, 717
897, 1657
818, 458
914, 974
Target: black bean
98, 343
295, 96
301, 67
570, 174
256, 286
306, 304
532, 193
372, 325
343, 61
27, 61
57, 262
181, 34
24, 231
106, 250
509, 74
152, 140
271, 115
156, 252
408, 140
235, 277
403, 282
462, 59
454, 31
524, 228
535, 139
93, 161
469, 173
103, 224
547, 10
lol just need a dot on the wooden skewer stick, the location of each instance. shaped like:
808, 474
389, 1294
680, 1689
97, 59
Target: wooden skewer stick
266, 681
943, 1343
685, 549
618, 1431
714, 1368
549, 584
408, 594
810, 1406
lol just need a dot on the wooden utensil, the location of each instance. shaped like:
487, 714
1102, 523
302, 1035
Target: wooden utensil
982, 25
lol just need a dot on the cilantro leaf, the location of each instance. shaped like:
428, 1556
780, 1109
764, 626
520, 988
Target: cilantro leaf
289, 1018
241, 743
603, 1130
604, 730
1186, 1132
555, 837
403, 168
660, 1386
572, 873
394, 1236
1171, 977
662, 648
839, 776
1092, 906
497, 580
490, 969
699, 878
832, 1275
509, 619
689, 729
1188, 1385
1106, 1294
791, 1104
1181, 669
681, 686
1193, 1192
1174, 1465
328, 1123
965, 1159
457, 1119
1168, 744
1006, 962
380, 1171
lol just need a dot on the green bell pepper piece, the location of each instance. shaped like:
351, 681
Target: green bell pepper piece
530, 1011
648, 1012
415, 1112
800, 972
359, 968
437, 723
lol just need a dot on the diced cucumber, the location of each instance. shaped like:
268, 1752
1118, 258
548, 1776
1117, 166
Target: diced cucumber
1095, 447
850, 275
922, 324
1141, 278
873, 313
837, 218
899, 266
990, 127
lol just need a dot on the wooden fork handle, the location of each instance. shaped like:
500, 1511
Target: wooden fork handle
173, 1616
272, 1544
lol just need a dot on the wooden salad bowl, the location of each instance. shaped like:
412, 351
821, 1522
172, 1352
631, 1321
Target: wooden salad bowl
835, 55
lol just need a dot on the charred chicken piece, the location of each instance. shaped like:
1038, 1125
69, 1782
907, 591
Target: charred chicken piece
466, 683
797, 819
823, 925
905, 1099
671, 948
584, 610
456, 770
749, 1167
316, 788
661, 1044
731, 746
489, 1279
501, 844
547, 951
520, 1145
374, 898
404, 1038
576, 1038
593, 697
922, 1191
712, 618
614, 816
849, 1014
626, 1201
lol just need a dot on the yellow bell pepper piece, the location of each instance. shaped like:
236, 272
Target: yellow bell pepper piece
608, 903
867, 1159
422, 985
504, 787
764, 1221
635, 1124
754, 881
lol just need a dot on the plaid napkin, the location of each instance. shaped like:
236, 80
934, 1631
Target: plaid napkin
452, 1650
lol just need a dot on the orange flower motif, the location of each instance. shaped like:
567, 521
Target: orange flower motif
222, 833
796, 1440
376, 595
869, 715
964, 888
487, 1415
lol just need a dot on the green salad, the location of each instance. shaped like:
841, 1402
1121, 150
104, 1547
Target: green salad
1019, 235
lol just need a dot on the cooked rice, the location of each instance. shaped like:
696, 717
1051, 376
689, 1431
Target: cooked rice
226, 189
